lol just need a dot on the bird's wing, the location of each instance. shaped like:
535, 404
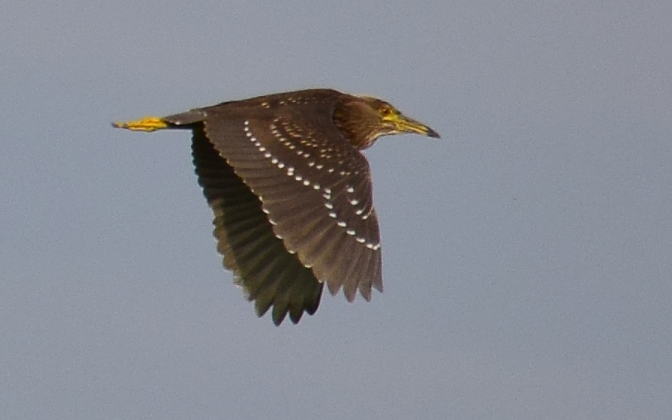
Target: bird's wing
314, 186
269, 274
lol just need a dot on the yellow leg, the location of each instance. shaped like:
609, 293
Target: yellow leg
143, 124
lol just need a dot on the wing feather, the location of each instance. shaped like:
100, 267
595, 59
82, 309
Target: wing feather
307, 175
269, 274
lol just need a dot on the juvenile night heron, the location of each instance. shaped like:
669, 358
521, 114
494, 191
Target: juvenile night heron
291, 191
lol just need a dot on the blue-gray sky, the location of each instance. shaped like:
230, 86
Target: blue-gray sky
527, 254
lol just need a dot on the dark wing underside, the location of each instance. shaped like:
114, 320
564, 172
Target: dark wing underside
269, 274
315, 187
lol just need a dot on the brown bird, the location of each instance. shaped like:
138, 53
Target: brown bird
291, 191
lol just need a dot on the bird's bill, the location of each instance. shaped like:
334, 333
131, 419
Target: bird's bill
143, 124
408, 125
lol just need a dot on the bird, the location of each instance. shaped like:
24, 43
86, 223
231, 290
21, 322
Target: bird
291, 191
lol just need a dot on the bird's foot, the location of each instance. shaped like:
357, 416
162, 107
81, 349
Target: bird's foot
143, 124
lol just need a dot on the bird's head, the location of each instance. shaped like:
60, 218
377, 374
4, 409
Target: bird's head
363, 119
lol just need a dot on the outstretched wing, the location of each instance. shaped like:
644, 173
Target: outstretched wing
269, 274
314, 186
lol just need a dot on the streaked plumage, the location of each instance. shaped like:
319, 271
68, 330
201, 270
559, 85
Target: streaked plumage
291, 192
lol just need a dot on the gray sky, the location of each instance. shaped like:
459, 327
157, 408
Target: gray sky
527, 254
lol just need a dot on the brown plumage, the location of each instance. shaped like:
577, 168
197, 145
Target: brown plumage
291, 191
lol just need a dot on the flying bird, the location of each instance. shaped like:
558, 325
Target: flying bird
291, 191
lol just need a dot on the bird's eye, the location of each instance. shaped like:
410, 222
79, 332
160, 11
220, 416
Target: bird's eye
386, 112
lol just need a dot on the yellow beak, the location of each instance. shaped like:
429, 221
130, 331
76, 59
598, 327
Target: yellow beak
408, 125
